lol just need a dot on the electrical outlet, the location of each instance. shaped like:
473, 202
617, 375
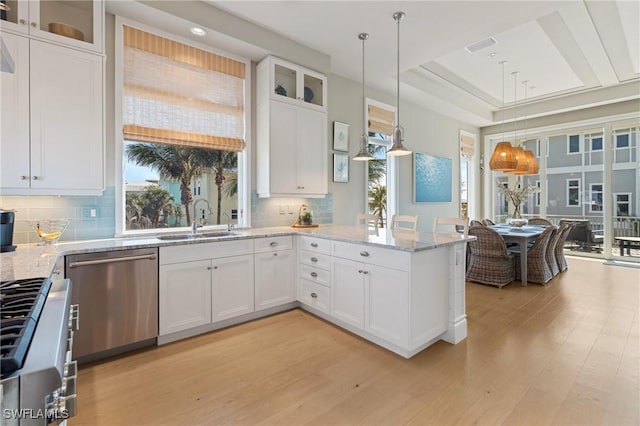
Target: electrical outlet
89, 213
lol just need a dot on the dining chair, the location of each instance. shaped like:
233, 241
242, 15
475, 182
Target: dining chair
565, 230
539, 221
489, 260
488, 222
404, 222
475, 223
537, 268
367, 219
550, 252
456, 222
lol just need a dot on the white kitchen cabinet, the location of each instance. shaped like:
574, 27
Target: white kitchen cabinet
52, 133
216, 278
372, 298
232, 287
288, 82
274, 272
184, 295
386, 303
33, 18
347, 291
291, 148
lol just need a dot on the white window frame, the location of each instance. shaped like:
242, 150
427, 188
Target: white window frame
569, 188
591, 193
392, 172
616, 201
580, 142
591, 139
615, 136
538, 148
244, 158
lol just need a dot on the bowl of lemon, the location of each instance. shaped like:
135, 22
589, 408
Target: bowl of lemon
49, 231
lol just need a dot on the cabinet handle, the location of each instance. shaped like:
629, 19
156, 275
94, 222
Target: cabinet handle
314, 244
37, 178
215, 267
314, 274
23, 177
275, 254
360, 271
208, 268
22, 22
365, 272
34, 24
314, 259
364, 253
273, 244
315, 296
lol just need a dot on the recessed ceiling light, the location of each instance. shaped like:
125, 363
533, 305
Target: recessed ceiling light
492, 54
198, 31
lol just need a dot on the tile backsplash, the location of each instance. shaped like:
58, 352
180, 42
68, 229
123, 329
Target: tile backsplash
93, 217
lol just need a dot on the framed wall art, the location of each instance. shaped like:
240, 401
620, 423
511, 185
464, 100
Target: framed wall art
432, 179
340, 136
340, 167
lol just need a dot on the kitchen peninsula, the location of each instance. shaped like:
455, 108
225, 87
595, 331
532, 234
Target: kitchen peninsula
399, 289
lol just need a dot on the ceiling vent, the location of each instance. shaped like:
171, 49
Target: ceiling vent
482, 44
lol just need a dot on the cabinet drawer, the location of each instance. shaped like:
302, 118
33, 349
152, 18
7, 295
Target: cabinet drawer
315, 295
273, 243
396, 259
317, 275
317, 245
318, 260
189, 252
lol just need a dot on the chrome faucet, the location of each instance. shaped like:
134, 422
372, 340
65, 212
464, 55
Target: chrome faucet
194, 223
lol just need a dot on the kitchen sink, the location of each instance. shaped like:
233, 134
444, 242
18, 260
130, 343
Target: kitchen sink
199, 236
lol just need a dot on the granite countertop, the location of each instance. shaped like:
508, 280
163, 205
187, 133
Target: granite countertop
31, 260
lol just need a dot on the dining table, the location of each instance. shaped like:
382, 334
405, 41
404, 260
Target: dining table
522, 236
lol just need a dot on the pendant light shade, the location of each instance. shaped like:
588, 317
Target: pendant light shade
398, 149
503, 158
527, 165
363, 154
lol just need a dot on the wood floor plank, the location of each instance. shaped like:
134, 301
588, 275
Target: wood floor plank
564, 353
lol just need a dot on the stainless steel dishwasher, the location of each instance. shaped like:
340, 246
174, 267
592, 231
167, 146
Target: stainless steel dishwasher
118, 292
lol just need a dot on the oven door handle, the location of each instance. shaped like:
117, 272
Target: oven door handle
111, 260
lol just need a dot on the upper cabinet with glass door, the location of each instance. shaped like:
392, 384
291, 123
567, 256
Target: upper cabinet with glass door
295, 84
75, 23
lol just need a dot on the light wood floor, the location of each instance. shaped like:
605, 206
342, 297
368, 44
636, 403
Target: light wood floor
566, 353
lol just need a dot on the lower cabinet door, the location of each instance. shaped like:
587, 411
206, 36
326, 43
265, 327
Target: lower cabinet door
184, 295
315, 295
275, 283
387, 304
347, 291
232, 287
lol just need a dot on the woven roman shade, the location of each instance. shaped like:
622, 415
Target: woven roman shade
380, 120
466, 146
180, 95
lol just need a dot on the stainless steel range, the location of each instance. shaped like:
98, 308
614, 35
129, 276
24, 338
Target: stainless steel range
37, 375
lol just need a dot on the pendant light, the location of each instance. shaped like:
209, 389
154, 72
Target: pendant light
397, 149
364, 154
503, 158
522, 166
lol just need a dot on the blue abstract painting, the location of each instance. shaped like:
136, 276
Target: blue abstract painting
431, 178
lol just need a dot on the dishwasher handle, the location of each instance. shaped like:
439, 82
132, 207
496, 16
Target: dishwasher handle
150, 256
